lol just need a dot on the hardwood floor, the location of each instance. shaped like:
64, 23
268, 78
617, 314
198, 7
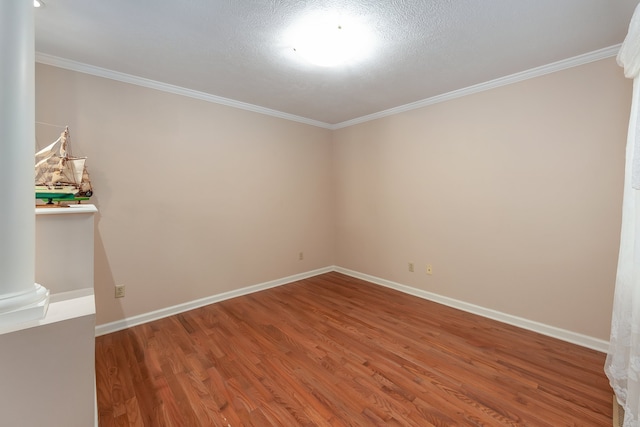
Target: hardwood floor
336, 351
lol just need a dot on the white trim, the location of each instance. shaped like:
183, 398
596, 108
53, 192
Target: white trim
95, 402
541, 328
165, 87
181, 308
502, 81
552, 331
492, 84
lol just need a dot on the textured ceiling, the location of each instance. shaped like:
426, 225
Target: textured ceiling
236, 49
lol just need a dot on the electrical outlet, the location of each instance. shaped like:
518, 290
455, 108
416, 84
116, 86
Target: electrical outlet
411, 267
300, 256
429, 269
119, 291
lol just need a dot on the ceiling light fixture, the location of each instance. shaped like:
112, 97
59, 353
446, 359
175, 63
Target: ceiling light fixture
38, 3
329, 40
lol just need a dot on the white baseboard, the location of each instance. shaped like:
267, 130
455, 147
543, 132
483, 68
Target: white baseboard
552, 331
128, 322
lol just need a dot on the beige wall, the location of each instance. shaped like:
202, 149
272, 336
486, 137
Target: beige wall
194, 198
513, 195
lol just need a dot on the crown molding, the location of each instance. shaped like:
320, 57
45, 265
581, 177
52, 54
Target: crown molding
177, 90
492, 84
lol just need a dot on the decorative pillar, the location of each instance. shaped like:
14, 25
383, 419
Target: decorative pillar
20, 298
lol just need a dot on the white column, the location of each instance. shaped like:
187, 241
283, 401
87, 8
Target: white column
20, 298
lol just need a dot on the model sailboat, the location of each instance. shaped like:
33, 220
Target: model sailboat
59, 175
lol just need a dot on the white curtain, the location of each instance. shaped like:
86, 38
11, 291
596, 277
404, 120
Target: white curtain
623, 358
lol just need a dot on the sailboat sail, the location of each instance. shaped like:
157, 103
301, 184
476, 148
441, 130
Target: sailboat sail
45, 154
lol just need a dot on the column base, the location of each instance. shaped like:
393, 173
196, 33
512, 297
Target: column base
24, 307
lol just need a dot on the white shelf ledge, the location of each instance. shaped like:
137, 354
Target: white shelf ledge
65, 210
63, 306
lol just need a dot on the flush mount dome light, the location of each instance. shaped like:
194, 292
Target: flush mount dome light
330, 40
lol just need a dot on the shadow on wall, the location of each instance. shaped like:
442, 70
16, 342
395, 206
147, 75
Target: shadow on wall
104, 282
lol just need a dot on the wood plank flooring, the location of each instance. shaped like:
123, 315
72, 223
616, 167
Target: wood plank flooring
336, 351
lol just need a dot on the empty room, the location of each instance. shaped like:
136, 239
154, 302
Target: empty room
321, 213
